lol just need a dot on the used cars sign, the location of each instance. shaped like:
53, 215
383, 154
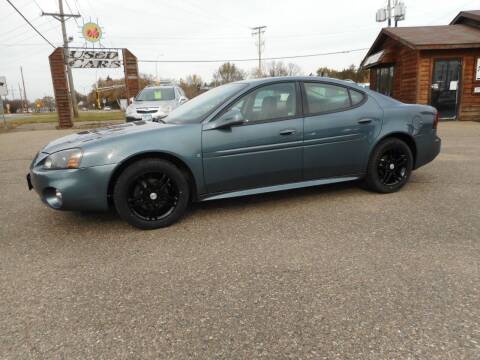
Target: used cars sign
93, 59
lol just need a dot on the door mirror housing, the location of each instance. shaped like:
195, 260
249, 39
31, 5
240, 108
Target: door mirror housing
230, 118
182, 100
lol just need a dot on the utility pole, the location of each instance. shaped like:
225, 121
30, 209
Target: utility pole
21, 97
62, 17
389, 13
24, 91
259, 31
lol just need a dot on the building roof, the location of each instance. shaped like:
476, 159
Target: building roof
463, 32
436, 37
470, 15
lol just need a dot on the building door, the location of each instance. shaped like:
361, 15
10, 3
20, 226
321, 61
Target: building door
445, 87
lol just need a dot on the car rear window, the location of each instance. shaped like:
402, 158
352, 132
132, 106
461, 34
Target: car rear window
356, 96
326, 97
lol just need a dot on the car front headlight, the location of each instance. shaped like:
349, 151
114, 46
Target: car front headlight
65, 159
164, 109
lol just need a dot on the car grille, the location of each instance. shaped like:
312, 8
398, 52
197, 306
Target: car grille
146, 111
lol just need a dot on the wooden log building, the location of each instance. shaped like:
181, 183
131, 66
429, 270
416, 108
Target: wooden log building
435, 65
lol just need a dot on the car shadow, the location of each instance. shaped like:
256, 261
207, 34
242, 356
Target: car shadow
111, 217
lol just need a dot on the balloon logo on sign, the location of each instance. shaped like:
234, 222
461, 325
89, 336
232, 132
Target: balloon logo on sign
92, 32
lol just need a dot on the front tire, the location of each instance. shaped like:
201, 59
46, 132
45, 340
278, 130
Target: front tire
151, 194
390, 166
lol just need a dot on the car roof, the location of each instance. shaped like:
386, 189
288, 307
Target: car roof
299, 78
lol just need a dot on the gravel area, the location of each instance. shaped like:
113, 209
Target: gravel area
330, 272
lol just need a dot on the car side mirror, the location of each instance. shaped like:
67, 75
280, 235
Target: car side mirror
228, 119
182, 100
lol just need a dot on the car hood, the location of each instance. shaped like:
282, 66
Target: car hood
80, 139
152, 104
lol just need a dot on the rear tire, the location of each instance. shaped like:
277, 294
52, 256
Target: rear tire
389, 167
151, 194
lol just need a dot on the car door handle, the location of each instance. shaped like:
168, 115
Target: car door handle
365, 121
288, 132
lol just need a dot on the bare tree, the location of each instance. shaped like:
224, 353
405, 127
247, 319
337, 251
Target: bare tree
191, 85
276, 68
293, 69
228, 72
257, 73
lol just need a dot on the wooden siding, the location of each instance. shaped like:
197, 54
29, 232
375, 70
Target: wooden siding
405, 81
469, 107
405, 62
413, 71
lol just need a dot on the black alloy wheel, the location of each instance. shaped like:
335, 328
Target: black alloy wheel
151, 193
153, 196
390, 166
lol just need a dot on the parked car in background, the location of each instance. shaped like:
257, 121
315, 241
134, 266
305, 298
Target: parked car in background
155, 102
238, 139
107, 108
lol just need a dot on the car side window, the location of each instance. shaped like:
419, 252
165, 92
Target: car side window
269, 102
326, 97
356, 96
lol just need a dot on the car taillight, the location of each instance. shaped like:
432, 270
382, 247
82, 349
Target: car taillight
435, 121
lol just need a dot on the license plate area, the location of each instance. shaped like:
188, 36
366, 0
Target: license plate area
147, 117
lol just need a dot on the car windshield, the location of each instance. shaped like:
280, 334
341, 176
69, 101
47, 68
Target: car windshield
195, 110
156, 94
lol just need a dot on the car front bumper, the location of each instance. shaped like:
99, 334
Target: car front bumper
72, 189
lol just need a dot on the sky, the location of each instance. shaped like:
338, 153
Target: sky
201, 30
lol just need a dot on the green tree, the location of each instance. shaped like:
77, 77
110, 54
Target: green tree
350, 73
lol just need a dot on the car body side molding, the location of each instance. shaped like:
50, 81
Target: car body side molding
268, 189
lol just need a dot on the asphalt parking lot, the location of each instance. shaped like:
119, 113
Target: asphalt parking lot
323, 273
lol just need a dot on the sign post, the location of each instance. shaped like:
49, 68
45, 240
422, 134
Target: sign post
3, 92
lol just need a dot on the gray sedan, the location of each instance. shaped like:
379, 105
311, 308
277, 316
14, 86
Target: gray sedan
238, 139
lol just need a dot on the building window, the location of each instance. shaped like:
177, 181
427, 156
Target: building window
384, 77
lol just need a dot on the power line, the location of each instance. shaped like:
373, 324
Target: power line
19, 26
255, 59
22, 36
36, 3
31, 25
28, 3
71, 12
